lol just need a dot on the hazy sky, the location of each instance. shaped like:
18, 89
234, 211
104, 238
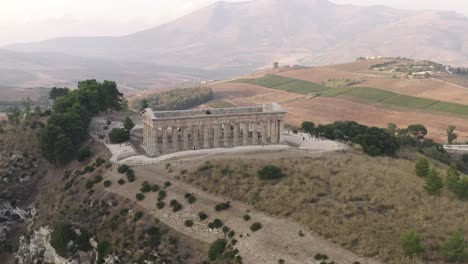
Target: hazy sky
33, 20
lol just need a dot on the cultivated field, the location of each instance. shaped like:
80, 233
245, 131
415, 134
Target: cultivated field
324, 109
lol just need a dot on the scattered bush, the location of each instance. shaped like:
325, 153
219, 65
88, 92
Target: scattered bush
216, 249
89, 184
188, 223
202, 215
161, 195
138, 215
121, 181
320, 257
107, 183
99, 162
130, 175
231, 234
222, 206
256, 226
183, 172
246, 217
124, 211
122, 168
270, 172
191, 199
60, 237
88, 169
177, 207
160, 204
67, 174
145, 187
97, 178
167, 184
155, 187
140, 196
217, 223
412, 244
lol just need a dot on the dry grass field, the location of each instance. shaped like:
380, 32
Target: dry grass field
326, 110
361, 203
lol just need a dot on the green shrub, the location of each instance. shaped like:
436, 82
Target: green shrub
88, 169
89, 184
256, 226
140, 196
107, 183
281, 261
188, 223
124, 211
118, 136
99, 162
173, 202
103, 248
412, 243
160, 204
177, 207
97, 178
138, 215
216, 249
246, 217
225, 229
145, 187
66, 174
422, 167
167, 184
455, 248
161, 195
155, 187
183, 172
122, 168
222, 206
121, 181
320, 257
270, 172
191, 199
84, 154
202, 215
217, 223
231, 234
130, 175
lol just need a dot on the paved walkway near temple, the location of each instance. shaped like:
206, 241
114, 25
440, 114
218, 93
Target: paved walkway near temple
295, 141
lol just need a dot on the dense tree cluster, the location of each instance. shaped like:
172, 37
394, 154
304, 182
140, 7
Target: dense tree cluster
375, 141
72, 112
177, 99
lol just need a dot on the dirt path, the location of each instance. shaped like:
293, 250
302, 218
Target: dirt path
279, 238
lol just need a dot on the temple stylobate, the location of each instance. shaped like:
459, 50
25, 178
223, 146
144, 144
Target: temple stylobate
171, 131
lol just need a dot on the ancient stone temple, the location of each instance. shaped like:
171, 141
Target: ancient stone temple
171, 131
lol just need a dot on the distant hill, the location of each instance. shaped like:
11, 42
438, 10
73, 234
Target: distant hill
234, 38
45, 69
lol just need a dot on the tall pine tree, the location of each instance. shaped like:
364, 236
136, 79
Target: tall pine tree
422, 167
434, 183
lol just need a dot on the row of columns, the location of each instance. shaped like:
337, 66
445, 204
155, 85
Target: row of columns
156, 139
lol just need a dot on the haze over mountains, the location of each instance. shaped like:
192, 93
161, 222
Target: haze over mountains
227, 39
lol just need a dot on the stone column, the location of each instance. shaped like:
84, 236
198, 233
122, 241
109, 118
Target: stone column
216, 135
245, 134
155, 140
227, 133
195, 137
206, 137
281, 131
164, 140
254, 134
235, 140
274, 137
185, 138
264, 133
175, 139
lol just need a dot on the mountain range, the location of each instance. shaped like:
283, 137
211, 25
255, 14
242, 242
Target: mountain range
231, 38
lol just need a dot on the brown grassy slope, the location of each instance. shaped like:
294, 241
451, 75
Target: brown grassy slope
359, 202
326, 110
